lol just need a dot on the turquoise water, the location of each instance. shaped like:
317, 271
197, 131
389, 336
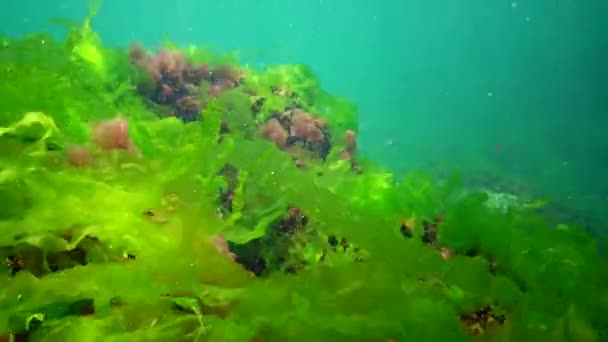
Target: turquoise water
269, 219
515, 86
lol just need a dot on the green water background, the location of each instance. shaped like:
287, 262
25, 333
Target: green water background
515, 86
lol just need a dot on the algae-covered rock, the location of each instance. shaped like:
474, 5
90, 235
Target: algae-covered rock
251, 215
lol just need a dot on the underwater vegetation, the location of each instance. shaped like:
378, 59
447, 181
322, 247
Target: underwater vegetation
176, 195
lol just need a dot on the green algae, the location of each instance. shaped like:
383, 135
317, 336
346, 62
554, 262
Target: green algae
120, 249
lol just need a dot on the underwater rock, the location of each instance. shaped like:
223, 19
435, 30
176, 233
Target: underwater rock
502, 201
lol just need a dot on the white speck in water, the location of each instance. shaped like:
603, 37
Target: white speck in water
514, 4
389, 142
490, 94
272, 173
527, 18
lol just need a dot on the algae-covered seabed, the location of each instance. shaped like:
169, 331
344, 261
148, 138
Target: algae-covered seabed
176, 195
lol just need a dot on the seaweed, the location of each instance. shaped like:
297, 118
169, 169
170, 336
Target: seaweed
208, 229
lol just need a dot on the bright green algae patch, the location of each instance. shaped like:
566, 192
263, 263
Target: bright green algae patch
121, 249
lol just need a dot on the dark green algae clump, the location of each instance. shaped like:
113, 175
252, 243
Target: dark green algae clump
180, 196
